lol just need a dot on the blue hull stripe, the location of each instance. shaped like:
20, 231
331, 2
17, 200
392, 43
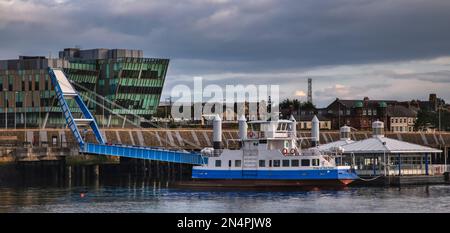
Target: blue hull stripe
316, 174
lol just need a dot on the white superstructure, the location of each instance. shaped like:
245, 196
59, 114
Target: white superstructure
270, 150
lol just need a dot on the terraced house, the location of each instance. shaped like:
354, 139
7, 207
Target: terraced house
122, 80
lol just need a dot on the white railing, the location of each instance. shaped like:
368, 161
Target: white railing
438, 169
406, 170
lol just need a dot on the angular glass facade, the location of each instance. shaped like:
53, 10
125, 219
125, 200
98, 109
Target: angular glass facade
131, 86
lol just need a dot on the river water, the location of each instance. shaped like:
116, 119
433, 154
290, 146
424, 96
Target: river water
150, 197
51, 188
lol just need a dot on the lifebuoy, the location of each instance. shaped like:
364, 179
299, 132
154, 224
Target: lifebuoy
285, 151
251, 134
293, 151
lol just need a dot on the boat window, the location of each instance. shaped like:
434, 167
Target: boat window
256, 127
229, 163
279, 126
286, 162
237, 163
270, 163
218, 163
305, 162
262, 163
276, 163
294, 163
315, 162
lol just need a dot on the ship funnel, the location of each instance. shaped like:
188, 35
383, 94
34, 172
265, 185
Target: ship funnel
315, 133
378, 129
242, 128
217, 132
293, 127
345, 132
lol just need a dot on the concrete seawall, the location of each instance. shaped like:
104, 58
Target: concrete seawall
30, 154
52, 144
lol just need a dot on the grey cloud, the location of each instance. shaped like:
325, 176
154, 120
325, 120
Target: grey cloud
440, 76
266, 41
327, 94
263, 35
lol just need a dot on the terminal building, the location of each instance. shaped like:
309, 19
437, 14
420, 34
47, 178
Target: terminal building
122, 80
380, 155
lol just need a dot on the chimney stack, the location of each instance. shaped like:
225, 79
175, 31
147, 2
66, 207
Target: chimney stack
315, 131
217, 132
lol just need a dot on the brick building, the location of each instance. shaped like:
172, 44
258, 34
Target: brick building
357, 113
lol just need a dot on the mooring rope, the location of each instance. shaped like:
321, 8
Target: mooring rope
374, 178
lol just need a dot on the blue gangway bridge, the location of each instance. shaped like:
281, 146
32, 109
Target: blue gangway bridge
65, 91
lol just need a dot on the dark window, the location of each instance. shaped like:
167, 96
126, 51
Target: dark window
270, 163
305, 162
315, 162
285, 162
218, 163
276, 163
262, 163
294, 163
36, 86
237, 163
229, 163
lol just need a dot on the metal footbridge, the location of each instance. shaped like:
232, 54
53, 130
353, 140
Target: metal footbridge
65, 91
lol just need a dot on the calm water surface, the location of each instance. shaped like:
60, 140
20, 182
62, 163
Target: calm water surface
148, 198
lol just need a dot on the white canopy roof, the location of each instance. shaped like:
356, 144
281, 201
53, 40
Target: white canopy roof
380, 144
335, 144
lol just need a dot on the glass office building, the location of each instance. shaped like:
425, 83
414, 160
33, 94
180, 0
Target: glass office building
128, 84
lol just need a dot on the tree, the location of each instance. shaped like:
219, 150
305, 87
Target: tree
431, 119
424, 119
308, 106
289, 107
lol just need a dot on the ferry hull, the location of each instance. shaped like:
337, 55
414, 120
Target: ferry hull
273, 184
272, 178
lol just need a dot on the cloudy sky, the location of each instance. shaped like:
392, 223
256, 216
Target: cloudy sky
383, 49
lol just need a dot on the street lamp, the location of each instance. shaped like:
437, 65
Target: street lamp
25, 108
339, 115
439, 109
170, 105
15, 110
6, 106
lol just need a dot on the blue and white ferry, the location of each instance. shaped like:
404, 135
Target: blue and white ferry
269, 155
